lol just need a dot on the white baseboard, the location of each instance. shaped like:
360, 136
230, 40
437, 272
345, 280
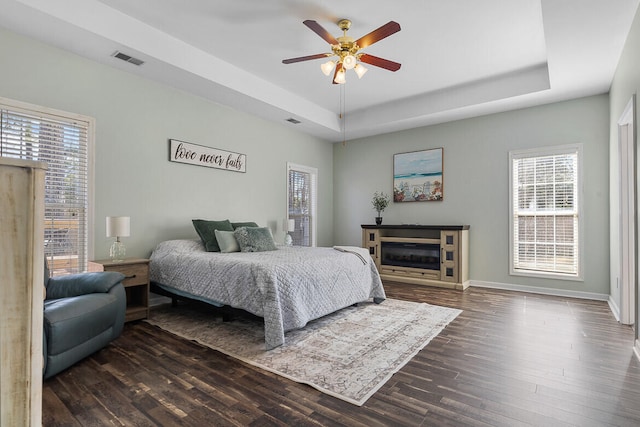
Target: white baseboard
614, 308
636, 349
538, 290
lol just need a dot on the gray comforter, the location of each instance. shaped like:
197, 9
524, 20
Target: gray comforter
287, 287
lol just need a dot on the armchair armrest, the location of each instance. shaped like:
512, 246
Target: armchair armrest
82, 284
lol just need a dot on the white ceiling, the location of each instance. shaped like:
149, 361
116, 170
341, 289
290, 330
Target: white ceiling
460, 58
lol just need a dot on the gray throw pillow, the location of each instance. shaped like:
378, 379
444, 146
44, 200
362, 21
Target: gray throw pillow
254, 239
244, 224
206, 230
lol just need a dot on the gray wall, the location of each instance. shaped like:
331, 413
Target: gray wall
135, 117
625, 84
476, 188
134, 120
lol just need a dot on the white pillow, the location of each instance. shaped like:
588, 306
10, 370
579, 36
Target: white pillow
227, 241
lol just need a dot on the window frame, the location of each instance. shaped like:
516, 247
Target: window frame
574, 149
313, 172
19, 107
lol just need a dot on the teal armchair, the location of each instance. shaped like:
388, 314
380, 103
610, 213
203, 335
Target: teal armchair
82, 314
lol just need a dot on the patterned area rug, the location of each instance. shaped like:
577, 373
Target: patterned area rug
349, 354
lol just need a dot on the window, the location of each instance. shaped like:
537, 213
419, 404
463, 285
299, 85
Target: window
302, 184
61, 140
545, 220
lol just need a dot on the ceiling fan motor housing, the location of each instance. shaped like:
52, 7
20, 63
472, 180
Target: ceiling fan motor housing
346, 44
344, 24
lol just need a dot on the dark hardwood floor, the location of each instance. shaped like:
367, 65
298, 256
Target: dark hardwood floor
509, 359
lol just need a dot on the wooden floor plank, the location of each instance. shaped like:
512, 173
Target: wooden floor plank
509, 359
62, 416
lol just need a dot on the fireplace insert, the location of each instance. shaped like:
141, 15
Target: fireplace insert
416, 255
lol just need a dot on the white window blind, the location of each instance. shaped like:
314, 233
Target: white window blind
302, 202
545, 207
61, 142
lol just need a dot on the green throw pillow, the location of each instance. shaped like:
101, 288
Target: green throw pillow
254, 239
227, 241
206, 230
237, 225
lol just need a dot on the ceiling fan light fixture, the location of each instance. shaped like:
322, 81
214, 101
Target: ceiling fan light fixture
327, 67
349, 61
346, 51
360, 70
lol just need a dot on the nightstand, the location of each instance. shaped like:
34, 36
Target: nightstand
136, 283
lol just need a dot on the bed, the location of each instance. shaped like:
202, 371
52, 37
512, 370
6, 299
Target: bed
288, 287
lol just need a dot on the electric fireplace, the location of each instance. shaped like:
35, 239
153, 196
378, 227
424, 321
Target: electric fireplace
414, 255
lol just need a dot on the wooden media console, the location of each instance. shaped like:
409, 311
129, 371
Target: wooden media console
433, 255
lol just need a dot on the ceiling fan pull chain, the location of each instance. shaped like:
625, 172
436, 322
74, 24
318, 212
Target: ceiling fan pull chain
343, 114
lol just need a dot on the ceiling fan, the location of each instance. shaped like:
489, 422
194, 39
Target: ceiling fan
347, 50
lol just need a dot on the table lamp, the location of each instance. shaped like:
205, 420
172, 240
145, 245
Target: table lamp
288, 225
118, 226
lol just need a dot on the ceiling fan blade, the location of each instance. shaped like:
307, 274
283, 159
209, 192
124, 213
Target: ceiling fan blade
319, 30
305, 58
386, 30
338, 68
380, 62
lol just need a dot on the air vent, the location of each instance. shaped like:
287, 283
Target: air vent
294, 121
127, 58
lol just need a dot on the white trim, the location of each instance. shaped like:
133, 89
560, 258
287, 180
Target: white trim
25, 107
91, 173
33, 109
545, 275
613, 306
636, 349
628, 115
576, 148
539, 290
314, 204
627, 234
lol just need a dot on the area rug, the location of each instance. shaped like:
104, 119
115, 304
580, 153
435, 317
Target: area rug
349, 354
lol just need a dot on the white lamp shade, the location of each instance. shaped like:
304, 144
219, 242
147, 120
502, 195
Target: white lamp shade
118, 226
340, 77
327, 67
349, 62
289, 225
360, 70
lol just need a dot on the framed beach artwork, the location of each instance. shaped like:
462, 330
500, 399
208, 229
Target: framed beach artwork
417, 176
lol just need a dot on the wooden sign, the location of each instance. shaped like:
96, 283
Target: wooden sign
199, 155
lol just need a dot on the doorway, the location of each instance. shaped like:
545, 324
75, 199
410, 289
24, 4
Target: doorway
628, 239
